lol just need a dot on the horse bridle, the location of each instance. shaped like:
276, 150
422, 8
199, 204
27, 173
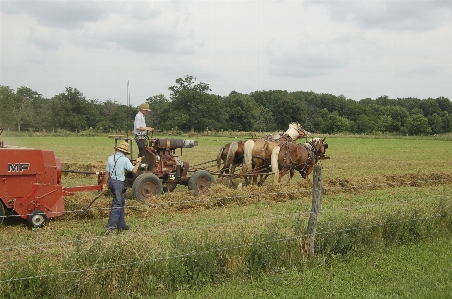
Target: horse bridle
313, 151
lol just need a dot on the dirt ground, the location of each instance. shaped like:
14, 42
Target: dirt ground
182, 200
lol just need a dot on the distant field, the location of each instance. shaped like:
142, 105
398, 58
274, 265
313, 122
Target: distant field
369, 181
351, 157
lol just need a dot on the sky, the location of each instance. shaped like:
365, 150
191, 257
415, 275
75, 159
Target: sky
119, 50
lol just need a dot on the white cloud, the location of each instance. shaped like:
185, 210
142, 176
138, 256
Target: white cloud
356, 48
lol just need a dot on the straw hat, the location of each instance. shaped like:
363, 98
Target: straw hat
123, 147
145, 106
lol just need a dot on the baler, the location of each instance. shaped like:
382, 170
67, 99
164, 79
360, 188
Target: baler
31, 185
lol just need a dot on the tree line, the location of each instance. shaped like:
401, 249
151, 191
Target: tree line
192, 107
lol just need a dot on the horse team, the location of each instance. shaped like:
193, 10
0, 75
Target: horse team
276, 154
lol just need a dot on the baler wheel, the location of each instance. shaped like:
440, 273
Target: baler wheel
146, 185
200, 182
37, 219
2, 212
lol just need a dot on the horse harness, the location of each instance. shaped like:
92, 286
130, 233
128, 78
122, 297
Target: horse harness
313, 153
268, 139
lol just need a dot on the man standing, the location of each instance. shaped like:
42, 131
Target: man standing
140, 129
114, 180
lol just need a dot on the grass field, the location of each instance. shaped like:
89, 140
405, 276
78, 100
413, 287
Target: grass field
386, 203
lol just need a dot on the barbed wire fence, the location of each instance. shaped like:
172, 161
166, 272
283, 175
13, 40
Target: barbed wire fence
308, 236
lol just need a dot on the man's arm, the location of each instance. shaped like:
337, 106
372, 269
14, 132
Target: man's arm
135, 168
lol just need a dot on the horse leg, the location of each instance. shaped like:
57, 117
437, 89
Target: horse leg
274, 164
291, 173
221, 158
281, 174
262, 179
247, 160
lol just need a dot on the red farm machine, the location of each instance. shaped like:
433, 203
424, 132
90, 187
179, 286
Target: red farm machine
31, 185
161, 170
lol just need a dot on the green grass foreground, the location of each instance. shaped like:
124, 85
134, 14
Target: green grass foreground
422, 270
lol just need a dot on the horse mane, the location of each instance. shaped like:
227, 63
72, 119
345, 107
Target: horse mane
294, 125
274, 137
307, 145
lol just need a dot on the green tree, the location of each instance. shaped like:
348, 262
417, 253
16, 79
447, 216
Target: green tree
115, 117
336, 123
444, 104
289, 110
399, 115
243, 111
364, 124
158, 116
384, 124
446, 120
7, 103
192, 106
28, 108
429, 107
436, 124
417, 124
285, 107
71, 111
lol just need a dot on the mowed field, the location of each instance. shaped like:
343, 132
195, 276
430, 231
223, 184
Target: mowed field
366, 179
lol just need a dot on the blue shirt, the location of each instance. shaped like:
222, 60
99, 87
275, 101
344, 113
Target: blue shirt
122, 163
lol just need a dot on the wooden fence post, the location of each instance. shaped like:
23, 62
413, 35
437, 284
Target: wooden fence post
315, 210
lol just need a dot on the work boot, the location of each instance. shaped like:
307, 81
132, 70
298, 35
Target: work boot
109, 231
126, 227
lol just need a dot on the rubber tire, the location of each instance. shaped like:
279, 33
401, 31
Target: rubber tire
37, 219
169, 187
146, 185
2, 212
200, 182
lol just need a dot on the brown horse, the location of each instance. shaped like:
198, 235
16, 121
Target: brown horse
257, 153
299, 157
232, 155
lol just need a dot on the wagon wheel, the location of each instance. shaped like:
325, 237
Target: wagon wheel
146, 185
169, 187
200, 182
2, 212
37, 219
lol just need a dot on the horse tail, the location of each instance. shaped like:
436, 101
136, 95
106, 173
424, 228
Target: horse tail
274, 163
248, 155
231, 154
219, 154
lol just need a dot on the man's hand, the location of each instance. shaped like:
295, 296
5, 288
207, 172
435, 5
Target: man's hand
138, 161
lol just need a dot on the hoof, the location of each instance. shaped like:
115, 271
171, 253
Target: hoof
239, 186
